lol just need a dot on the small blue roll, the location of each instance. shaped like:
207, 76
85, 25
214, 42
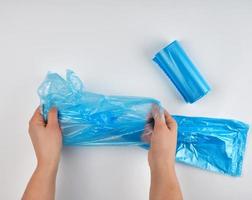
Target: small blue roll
183, 73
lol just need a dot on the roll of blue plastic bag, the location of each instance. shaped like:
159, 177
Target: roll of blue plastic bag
182, 72
89, 119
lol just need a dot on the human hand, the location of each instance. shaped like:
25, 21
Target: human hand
163, 141
161, 156
46, 139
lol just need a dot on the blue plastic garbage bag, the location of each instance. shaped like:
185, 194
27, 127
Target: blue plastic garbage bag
209, 143
186, 77
93, 119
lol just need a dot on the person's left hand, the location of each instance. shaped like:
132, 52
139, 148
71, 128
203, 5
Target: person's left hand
46, 139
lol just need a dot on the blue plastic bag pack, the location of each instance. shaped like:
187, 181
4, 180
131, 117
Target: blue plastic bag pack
89, 119
186, 77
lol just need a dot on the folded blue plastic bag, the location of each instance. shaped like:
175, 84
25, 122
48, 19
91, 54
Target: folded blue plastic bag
93, 119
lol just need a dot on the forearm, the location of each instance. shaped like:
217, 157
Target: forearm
164, 184
42, 184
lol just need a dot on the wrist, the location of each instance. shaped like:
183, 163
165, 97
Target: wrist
161, 169
47, 167
46, 173
163, 174
162, 165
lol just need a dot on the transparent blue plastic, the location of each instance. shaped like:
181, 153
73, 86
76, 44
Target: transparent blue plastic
210, 143
182, 72
89, 119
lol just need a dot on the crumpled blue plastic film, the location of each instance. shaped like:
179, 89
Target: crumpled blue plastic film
90, 119
176, 64
210, 143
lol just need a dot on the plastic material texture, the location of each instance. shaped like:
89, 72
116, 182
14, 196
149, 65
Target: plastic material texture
182, 72
209, 143
93, 119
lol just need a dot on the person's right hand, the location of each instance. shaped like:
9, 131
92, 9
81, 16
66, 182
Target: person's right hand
163, 140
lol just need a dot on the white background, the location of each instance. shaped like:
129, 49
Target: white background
110, 45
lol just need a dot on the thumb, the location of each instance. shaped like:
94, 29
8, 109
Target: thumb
53, 117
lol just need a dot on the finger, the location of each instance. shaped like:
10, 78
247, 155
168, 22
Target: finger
146, 137
157, 114
170, 122
148, 129
53, 117
37, 118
